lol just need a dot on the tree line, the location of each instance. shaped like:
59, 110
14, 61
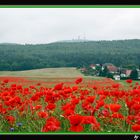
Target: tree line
69, 54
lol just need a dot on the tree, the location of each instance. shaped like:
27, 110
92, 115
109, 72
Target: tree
134, 74
110, 75
131, 66
104, 72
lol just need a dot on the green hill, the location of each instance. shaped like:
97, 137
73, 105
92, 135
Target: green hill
68, 54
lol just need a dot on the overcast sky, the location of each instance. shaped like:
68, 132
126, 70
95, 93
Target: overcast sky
45, 25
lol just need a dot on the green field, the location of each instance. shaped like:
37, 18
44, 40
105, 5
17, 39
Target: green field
123, 82
53, 73
48, 73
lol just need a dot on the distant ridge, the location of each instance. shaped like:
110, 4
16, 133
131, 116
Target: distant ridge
82, 41
10, 43
68, 41
73, 40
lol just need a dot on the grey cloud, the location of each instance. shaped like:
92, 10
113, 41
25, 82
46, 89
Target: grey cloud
43, 25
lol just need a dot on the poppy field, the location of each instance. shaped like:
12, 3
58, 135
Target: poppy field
69, 105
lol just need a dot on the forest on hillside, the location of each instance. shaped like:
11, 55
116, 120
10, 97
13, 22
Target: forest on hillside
69, 54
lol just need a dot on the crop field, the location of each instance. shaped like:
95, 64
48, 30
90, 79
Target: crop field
68, 104
47, 72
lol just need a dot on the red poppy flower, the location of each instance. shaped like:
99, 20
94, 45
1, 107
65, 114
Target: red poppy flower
129, 80
115, 85
94, 87
87, 107
90, 99
35, 97
68, 112
75, 122
17, 99
6, 81
117, 116
137, 118
136, 106
37, 107
136, 127
68, 106
52, 124
58, 86
10, 119
105, 113
100, 103
38, 84
114, 107
42, 114
19, 87
130, 119
32, 87
67, 90
77, 128
50, 106
89, 120
75, 101
3, 110
76, 119
74, 88
79, 80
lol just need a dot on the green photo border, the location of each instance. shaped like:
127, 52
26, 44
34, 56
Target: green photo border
69, 6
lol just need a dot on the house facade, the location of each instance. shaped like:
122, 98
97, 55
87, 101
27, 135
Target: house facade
117, 77
111, 68
138, 73
124, 73
93, 66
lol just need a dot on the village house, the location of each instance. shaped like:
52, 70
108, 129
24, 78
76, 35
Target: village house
125, 73
116, 77
111, 68
93, 66
117, 73
138, 73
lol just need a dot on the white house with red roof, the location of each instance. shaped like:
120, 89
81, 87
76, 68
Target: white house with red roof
93, 66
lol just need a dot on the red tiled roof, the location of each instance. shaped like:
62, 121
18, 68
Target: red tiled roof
128, 72
93, 65
112, 68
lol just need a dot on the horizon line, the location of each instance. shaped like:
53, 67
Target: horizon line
68, 41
